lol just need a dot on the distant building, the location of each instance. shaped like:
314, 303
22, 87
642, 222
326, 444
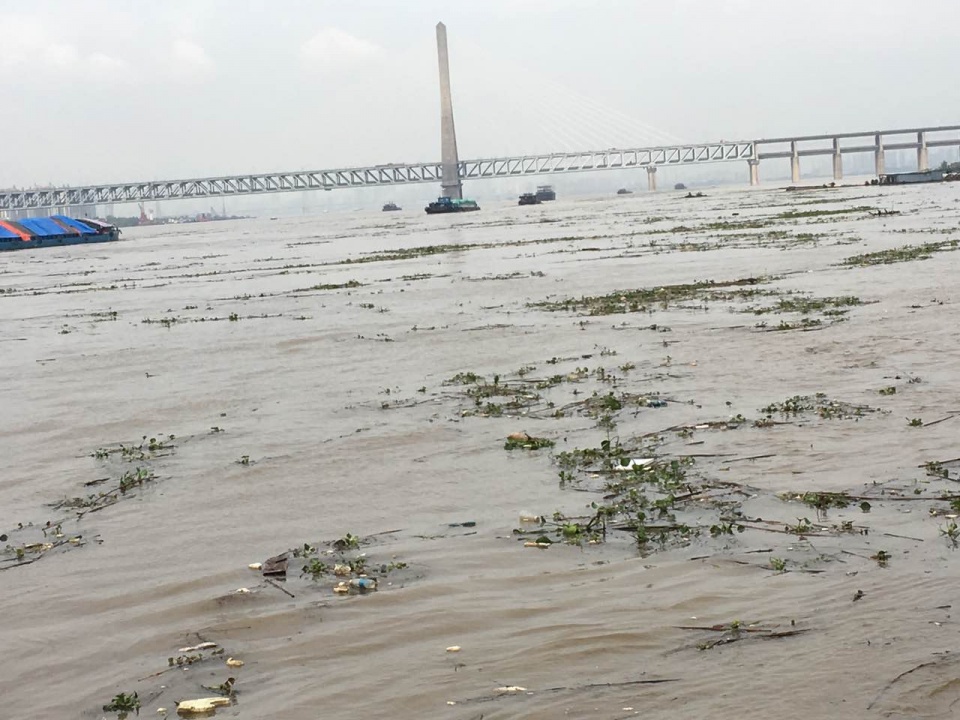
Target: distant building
77, 211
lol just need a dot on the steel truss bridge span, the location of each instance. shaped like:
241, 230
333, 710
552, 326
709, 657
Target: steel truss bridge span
378, 175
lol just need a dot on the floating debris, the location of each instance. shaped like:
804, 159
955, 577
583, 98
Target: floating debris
201, 706
275, 566
522, 440
363, 584
196, 648
541, 545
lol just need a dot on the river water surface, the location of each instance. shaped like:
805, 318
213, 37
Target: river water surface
308, 384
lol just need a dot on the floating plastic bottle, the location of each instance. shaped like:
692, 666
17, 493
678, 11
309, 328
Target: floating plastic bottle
363, 583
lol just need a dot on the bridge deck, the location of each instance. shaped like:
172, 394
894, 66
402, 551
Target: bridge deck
431, 172
397, 174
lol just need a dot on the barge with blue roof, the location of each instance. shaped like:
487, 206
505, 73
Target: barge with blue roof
26, 233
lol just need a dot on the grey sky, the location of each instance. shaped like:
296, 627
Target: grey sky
108, 90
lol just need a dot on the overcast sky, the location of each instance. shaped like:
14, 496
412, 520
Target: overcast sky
110, 90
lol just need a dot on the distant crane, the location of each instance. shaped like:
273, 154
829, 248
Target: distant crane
147, 219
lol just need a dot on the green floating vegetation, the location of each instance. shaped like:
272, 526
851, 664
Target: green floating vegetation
784, 325
819, 404
342, 564
512, 397
833, 309
428, 250
123, 704
525, 395
905, 253
109, 491
408, 253
950, 531
642, 497
96, 501
806, 305
798, 214
523, 441
736, 225
642, 300
820, 501
169, 322
350, 284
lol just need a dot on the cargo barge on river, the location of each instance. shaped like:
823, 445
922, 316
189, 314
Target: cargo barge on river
546, 193
27, 233
451, 205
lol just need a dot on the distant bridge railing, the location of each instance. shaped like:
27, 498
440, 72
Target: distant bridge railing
377, 175
612, 159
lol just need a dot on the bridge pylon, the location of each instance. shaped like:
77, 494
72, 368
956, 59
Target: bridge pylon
450, 184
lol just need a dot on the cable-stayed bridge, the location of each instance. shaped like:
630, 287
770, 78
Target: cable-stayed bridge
377, 175
752, 152
450, 171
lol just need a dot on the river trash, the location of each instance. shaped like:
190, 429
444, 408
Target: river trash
276, 565
255, 566
634, 463
234, 663
363, 584
453, 649
525, 441
359, 584
201, 706
195, 648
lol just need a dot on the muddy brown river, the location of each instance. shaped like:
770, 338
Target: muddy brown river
731, 489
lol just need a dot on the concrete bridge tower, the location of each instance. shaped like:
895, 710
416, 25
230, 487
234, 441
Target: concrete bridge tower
450, 179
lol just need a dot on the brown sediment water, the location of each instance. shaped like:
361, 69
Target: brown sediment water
306, 382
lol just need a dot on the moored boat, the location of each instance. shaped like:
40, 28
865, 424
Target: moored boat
546, 192
529, 199
26, 233
391, 206
450, 205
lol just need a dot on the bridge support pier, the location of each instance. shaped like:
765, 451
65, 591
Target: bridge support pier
837, 160
754, 172
878, 157
651, 178
923, 161
794, 162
